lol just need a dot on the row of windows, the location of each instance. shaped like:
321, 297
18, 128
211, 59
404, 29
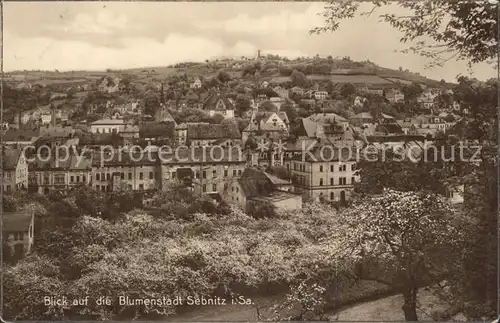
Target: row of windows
214, 188
332, 195
19, 236
107, 188
342, 181
107, 176
60, 179
214, 173
341, 168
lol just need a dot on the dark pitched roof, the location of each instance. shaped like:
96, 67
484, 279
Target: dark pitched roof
157, 129
255, 183
10, 158
72, 162
20, 135
16, 221
213, 131
212, 101
389, 128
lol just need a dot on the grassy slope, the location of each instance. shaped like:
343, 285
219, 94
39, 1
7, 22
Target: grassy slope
381, 76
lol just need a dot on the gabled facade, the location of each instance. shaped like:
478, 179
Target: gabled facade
219, 104
15, 170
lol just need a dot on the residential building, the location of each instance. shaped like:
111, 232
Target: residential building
196, 84
283, 93
379, 92
366, 119
219, 104
394, 96
254, 187
320, 95
297, 90
455, 195
107, 126
325, 173
206, 169
359, 101
126, 170
427, 98
62, 173
15, 170
181, 133
430, 124
273, 123
130, 133
18, 232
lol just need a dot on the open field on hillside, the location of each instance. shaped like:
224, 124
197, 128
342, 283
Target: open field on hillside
355, 79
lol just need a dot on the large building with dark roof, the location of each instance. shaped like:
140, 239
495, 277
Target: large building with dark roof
60, 173
324, 172
203, 134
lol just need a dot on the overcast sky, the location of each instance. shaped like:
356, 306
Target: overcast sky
100, 35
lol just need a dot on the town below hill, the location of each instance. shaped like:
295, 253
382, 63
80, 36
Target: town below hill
264, 183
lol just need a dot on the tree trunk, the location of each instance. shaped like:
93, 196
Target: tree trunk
410, 303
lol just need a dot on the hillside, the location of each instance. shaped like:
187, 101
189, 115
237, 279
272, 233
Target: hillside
273, 68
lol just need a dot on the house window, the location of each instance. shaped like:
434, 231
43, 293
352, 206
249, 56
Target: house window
214, 187
331, 182
141, 175
225, 173
151, 175
353, 167
108, 176
332, 196
122, 176
72, 179
225, 186
204, 174
234, 172
352, 180
320, 182
239, 172
331, 168
321, 168
77, 179
214, 173
141, 187
204, 187
197, 175
237, 189
130, 176
84, 179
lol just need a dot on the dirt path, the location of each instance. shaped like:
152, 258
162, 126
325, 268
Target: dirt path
383, 309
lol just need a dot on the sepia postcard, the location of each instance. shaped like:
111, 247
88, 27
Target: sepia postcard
249, 161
